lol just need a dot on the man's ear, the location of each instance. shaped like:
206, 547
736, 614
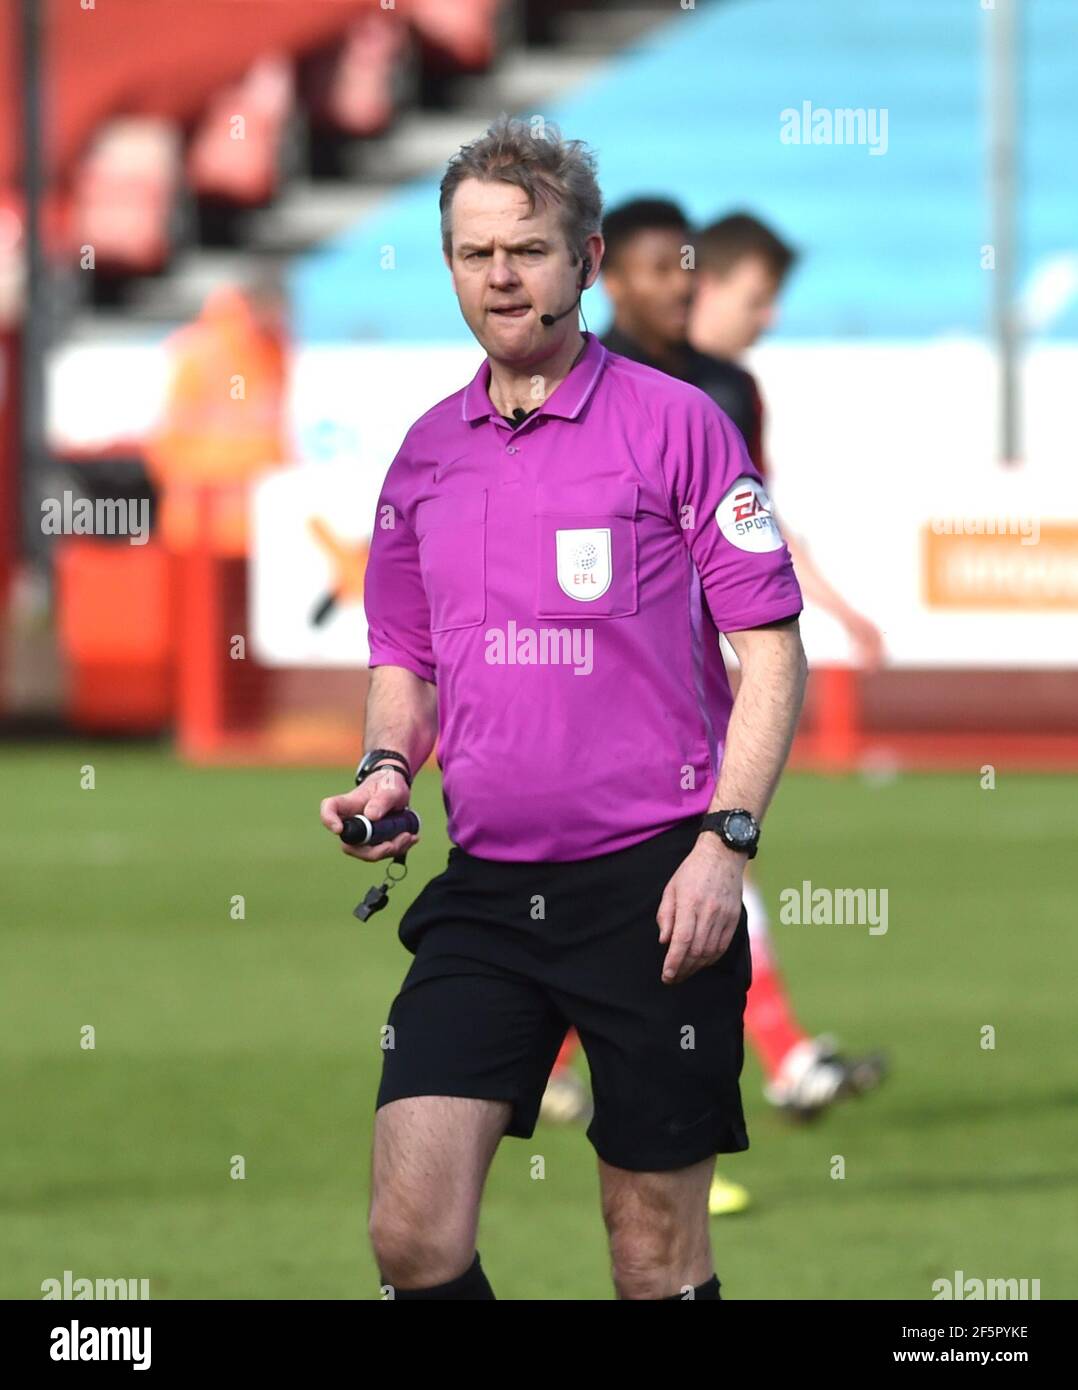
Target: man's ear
595, 250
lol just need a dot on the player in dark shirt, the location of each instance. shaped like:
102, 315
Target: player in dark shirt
651, 287
726, 384
649, 277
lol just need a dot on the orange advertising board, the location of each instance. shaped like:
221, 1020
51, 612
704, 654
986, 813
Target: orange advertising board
993, 567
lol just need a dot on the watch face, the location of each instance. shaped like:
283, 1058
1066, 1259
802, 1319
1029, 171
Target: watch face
740, 828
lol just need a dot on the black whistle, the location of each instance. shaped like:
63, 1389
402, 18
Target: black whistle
374, 901
358, 830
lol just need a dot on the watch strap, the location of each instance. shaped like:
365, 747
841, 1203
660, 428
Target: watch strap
716, 822
383, 757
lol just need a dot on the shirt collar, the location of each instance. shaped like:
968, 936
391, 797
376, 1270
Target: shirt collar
567, 399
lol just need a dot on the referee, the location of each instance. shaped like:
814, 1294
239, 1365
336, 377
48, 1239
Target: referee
555, 550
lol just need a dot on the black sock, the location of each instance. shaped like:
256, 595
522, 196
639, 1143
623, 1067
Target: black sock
708, 1290
471, 1284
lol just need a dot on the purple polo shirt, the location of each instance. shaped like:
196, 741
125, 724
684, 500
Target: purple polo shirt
564, 584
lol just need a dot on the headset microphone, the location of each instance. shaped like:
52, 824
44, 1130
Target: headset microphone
547, 320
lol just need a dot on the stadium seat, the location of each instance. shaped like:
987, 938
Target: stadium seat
123, 195
459, 34
235, 154
348, 88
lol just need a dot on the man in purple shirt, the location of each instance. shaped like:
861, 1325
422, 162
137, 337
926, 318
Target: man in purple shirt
555, 551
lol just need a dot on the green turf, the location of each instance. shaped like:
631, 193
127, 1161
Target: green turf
217, 1037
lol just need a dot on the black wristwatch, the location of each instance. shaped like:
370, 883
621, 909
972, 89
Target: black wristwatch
383, 757
738, 829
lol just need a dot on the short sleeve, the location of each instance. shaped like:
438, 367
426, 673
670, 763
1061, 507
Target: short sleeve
395, 601
725, 516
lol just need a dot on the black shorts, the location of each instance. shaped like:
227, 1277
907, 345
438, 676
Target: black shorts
508, 956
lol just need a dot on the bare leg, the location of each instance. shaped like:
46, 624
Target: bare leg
660, 1243
430, 1159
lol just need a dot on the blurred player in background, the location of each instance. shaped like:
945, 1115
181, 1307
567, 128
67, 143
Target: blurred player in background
695, 326
741, 266
222, 427
647, 273
223, 423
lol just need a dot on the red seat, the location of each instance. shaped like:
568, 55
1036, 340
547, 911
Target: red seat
235, 152
123, 194
349, 88
461, 33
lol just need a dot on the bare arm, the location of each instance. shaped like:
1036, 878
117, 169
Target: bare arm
402, 714
701, 906
763, 719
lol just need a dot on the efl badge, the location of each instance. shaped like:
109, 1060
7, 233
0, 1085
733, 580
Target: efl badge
744, 517
584, 569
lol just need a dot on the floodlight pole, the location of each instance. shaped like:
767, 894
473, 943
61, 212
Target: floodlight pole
33, 474
1003, 183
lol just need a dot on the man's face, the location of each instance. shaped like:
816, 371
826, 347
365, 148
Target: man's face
650, 289
731, 311
509, 266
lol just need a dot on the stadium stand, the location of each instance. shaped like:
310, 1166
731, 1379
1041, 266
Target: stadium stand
348, 112
188, 142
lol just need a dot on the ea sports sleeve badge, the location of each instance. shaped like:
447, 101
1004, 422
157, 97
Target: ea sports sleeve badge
746, 519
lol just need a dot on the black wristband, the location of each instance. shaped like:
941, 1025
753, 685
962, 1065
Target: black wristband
394, 766
382, 757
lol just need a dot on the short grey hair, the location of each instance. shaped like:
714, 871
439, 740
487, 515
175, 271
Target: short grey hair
546, 167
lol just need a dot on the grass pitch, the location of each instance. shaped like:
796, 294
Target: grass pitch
218, 1036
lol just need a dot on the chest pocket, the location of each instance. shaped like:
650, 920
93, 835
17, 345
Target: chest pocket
586, 564
452, 558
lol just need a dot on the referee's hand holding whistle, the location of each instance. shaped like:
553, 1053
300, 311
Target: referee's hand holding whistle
384, 791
